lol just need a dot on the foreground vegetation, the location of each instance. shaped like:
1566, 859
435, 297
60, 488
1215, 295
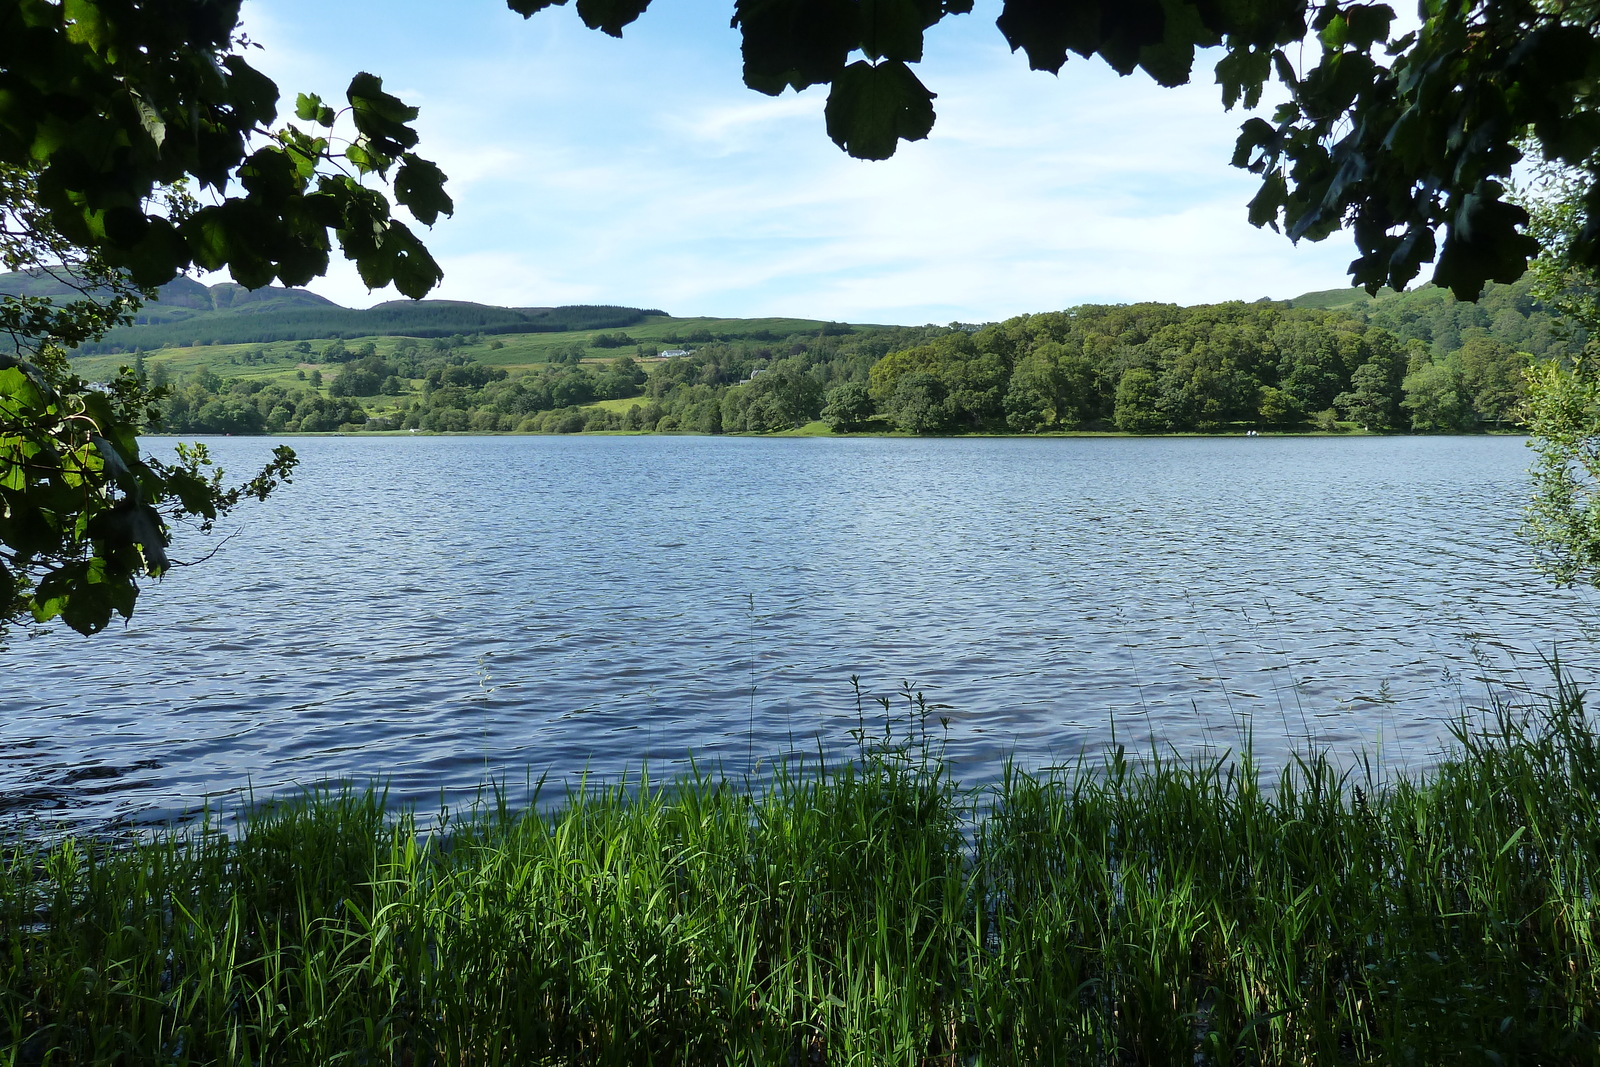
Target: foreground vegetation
1138, 912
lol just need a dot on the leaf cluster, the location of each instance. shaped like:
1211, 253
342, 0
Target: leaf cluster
137, 142
107, 103
83, 515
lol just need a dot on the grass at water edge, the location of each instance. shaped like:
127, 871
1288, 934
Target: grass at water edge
1151, 912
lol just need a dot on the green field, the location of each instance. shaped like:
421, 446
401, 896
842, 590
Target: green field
278, 362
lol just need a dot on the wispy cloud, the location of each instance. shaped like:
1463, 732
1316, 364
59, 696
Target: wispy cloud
641, 171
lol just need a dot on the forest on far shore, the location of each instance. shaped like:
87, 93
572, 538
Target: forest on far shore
1331, 362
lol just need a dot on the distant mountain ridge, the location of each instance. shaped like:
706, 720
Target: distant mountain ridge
187, 312
181, 297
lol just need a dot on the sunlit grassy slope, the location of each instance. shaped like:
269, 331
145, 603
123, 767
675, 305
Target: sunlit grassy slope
285, 363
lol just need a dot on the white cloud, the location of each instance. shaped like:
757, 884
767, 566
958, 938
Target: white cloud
642, 171
728, 128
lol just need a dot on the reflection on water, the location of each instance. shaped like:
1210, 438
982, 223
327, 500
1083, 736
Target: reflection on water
438, 610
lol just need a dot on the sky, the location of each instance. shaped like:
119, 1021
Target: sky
589, 170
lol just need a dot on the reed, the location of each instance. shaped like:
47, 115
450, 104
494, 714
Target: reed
1157, 911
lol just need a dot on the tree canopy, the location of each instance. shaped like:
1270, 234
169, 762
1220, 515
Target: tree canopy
123, 109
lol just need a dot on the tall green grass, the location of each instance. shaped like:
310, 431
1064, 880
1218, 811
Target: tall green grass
1152, 912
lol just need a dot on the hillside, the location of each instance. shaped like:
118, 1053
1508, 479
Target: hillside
1507, 313
187, 314
289, 361
1333, 361
184, 298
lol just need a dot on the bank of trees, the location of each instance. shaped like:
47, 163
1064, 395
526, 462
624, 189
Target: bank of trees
742, 385
1157, 368
245, 406
1139, 368
1511, 314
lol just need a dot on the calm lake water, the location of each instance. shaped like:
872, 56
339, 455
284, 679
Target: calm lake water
435, 611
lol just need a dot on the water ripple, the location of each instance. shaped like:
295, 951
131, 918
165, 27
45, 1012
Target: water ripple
440, 611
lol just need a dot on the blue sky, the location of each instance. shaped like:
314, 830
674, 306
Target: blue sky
640, 171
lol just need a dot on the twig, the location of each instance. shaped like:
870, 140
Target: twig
208, 555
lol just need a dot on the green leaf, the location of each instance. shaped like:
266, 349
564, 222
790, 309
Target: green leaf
19, 391
271, 176
1242, 73
86, 25
88, 608
366, 161
1334, 85
209, 238
872, 108
1367, 24
609, 16
414, 269
150, 119
252, 95
795, 43
380, 118
1483, 243
158, 256
303, 259
304, 150
128, 524
1269, 201
527, 8
892, 29
1130, 28
1046, 29
111, 456
1170, 61
310, 108
419, 186
45, 608
1285, 68
363, 219
1572, 138
1255, 136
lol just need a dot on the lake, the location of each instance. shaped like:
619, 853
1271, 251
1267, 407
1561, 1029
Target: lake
435, 611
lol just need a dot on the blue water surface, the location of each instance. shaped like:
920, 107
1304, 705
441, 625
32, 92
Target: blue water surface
435, 611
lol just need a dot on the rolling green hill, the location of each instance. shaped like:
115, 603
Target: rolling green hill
288, 360
1334, 299
285, 360
187, 314
1507, 313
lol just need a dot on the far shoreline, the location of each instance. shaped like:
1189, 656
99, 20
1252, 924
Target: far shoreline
804, 433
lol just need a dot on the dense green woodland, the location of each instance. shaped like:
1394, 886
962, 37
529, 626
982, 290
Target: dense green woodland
1338, 361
